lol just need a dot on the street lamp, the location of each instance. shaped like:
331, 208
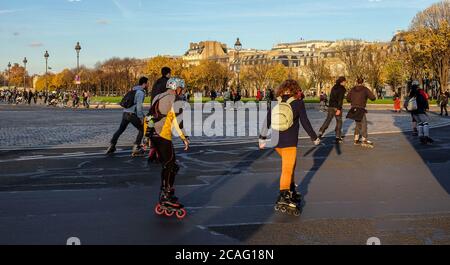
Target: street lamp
25, 61
46, 56
78, 49
9, 73
238, 48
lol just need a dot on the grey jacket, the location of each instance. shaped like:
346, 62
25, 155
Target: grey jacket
138, 107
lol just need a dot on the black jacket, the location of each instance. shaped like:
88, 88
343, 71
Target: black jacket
337, 97
159, 87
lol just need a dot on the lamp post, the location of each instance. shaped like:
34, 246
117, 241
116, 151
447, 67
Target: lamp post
46, 56
238, 48
9, 73
78, 49
25, 61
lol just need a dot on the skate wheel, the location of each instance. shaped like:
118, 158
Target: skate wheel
283, 209
169, 213
296, 213
159, 210
181, 213
277, 208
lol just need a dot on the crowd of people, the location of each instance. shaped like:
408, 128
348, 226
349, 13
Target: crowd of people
283, 120
64, 99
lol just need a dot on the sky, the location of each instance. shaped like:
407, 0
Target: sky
146, 28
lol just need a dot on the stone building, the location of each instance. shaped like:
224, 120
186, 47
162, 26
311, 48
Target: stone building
206, 50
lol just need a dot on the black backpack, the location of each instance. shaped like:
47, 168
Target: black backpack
128, 100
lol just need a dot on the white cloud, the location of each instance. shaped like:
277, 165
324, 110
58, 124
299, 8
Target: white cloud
73, 1
36, 44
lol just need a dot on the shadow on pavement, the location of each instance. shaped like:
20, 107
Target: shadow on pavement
436, 156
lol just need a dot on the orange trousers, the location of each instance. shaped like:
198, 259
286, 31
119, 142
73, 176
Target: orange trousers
289, 162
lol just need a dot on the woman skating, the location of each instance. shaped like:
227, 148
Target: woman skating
285, 121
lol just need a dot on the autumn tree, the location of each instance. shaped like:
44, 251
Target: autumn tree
429, 39
395, 72
256, 76
352, 55
17, 74
64, 80
277, 74
208, 75
319, 73
374, 58
155, 64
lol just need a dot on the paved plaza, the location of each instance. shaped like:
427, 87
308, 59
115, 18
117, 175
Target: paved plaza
55, 183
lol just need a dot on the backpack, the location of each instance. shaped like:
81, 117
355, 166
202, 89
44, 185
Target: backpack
128, 100
283, 115
154, 112
412, 104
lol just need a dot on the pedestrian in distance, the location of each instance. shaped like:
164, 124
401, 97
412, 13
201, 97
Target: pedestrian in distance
397, 103
443, 102
285, 120
358, 97
335, 105
133, 113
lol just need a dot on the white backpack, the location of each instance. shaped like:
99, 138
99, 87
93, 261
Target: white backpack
282, 115
412, 104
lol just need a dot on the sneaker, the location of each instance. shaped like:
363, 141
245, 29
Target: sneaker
357, 142
111, 150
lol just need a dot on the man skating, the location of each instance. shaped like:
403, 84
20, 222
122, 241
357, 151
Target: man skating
134, 115
335, 109
358, 97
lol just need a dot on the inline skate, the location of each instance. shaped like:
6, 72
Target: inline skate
169, 206
286, 204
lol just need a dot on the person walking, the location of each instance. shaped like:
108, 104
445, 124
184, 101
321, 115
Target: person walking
443, 102
285, 120
358, 97
335, 105
133, 113
160, 86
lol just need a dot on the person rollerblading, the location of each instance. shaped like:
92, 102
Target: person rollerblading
163, 119
337, 97
358, 97
418, 105
285, 120
133, 113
